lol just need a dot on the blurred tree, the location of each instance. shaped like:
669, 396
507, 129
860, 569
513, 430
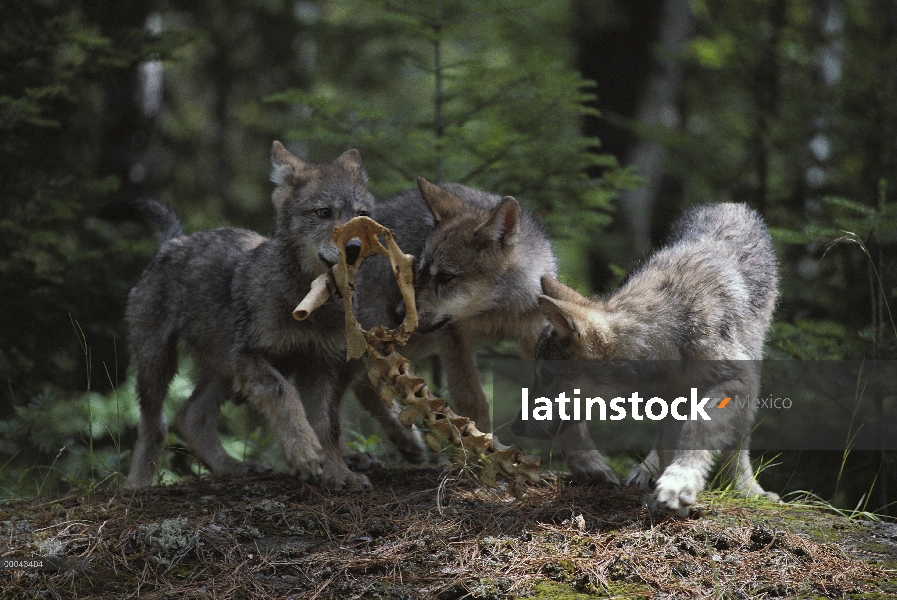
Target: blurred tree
476, 92
658, 107
213, 153
792, 108
771, 121
99, 100
68, 134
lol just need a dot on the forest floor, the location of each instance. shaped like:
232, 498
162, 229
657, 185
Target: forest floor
432, 533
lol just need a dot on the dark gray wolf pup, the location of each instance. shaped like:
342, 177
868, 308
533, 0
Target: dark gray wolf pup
479, 261
709, 294
227, 296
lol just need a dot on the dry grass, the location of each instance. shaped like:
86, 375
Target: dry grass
424, 533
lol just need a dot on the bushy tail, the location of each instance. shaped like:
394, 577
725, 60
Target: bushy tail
746, 234
158, 215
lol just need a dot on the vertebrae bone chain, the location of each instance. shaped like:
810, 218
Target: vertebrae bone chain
446, 431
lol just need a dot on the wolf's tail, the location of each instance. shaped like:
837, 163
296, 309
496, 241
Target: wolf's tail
158, 215
734, 223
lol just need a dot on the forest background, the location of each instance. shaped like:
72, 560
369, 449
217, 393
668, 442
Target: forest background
605, 117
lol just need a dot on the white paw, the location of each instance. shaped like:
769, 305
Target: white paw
771, 496
677, 489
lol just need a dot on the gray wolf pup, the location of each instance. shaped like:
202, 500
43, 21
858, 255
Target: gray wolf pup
709, 294
226, 295
479, 261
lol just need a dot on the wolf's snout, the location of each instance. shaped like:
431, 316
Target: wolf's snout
353, 249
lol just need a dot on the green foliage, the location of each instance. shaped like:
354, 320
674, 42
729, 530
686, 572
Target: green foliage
850, 223
790, 107
459, 91
212, 151
807, 499
58, 441
363, 443
808, 339
58, 432
55, 263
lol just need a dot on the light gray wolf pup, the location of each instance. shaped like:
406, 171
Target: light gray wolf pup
479, 261
708, 294
226, 295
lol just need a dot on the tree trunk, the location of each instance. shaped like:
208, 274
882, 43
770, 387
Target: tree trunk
658, 109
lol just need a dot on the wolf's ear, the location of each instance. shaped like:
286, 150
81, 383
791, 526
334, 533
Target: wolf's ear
442, 204
562, 322
504, 223
350, 161
555, 289
289, 170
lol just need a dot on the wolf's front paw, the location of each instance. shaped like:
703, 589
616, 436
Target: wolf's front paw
305, 460
677, 489
360, 461
588, 466
339, 477
232, 467
254, 468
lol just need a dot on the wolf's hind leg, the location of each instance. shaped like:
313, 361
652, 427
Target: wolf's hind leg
154, 372
736, 467
735, 460
197, 422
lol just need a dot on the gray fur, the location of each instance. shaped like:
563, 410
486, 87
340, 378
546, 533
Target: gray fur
708, 294
226, 295
496, 253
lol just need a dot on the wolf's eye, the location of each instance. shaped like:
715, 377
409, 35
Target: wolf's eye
444, 278
324, 213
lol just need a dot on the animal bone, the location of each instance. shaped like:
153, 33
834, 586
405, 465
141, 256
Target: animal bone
321, 290
445, 429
